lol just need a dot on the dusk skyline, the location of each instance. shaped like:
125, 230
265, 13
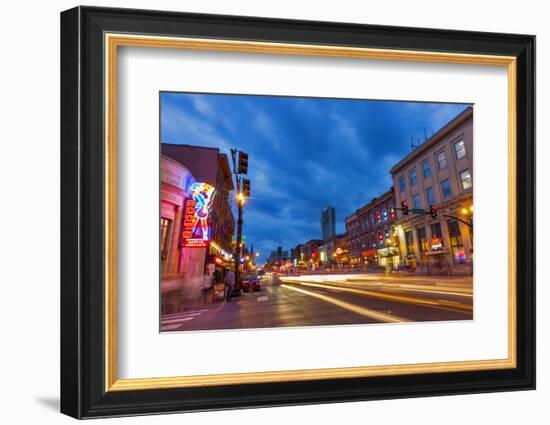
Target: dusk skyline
304, 153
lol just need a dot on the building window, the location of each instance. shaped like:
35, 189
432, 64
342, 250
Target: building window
460, 149
446, 188
465, 179
164, 236
409, 241
441, 160
436, 230
426, 170
416, 201
413, 178
457, 247
402, 184
422, 240
430, 196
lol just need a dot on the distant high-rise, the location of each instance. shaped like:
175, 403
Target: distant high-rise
328, 223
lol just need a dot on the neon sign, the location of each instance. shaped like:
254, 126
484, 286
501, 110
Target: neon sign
196, 231
436, 244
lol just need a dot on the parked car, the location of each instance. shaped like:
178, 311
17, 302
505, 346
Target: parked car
251, 283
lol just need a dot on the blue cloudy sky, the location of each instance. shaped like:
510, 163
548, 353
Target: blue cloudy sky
304, 153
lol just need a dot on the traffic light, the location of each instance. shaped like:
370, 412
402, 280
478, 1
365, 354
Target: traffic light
405, 207
392, 213
243, 163
433, 211
378, 217
246, 188
380, 237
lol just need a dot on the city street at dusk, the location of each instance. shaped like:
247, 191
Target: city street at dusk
309, 300
314, 212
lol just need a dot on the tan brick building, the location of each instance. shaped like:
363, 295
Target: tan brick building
439, 173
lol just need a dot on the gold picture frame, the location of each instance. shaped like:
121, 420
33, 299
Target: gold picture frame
99, 33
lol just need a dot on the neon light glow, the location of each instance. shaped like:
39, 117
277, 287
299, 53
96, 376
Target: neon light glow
196, 231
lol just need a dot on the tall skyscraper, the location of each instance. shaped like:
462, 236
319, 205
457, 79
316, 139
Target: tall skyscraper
328, 223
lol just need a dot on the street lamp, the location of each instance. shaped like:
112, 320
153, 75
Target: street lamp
240, 198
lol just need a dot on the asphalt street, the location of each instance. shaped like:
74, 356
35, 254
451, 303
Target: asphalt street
321, 300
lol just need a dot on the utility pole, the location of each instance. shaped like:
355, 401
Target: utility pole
240, 166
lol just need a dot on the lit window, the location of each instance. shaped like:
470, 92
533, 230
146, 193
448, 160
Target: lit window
413, 178
164, 236
466, 179
446, 188
409, 240
460, 149
441, 160
426, 170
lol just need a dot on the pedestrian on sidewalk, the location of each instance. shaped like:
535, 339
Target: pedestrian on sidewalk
229, 281
208, 282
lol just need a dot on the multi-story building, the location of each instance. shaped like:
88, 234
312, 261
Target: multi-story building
310, 254
210, 166
175, 184
372, 235
296, 255
328, 223
334, 252
278, 256
438, 173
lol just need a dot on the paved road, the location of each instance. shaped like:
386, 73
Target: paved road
315, 300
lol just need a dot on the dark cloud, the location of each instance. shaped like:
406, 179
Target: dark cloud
304, 153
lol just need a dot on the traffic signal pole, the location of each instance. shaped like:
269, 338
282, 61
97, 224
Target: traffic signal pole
433, 212
239, 238
240, 166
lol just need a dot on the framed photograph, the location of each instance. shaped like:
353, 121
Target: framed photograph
261, 212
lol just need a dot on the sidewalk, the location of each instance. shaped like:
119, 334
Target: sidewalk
181, 294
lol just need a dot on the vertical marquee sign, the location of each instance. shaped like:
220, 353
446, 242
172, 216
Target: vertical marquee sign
196, 228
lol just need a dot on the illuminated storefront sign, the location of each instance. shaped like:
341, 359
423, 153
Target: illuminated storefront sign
196, 229
436, 244
388, 252
369, 253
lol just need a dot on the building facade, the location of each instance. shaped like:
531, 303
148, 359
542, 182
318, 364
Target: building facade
372, 234
438, 173
192, 237
328, 223
175, 180
307, 256
334, 253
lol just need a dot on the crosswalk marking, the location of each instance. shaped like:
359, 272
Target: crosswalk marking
182, 318
173, 321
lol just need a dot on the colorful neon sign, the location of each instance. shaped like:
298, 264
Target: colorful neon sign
196, 230
436, 244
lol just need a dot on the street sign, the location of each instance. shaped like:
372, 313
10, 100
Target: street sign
417, 210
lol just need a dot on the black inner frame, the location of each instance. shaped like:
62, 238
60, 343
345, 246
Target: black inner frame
82, 212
